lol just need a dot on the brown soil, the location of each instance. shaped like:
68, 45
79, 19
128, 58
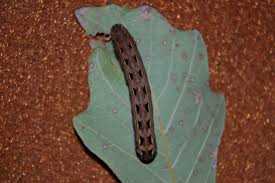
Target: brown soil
43, 84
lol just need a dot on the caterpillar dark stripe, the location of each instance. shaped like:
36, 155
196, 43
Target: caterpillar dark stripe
140, 94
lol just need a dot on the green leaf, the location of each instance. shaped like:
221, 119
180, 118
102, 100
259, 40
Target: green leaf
189, 118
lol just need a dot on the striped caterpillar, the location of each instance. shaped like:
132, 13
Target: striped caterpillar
140, 94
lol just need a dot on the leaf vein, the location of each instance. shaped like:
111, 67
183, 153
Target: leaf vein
184, 145
183, 88
202, 147
169, 71
109, 84
123, 151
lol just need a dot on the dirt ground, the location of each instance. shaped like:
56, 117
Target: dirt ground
43, 84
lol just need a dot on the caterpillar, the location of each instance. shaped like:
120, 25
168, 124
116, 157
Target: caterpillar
140, 93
